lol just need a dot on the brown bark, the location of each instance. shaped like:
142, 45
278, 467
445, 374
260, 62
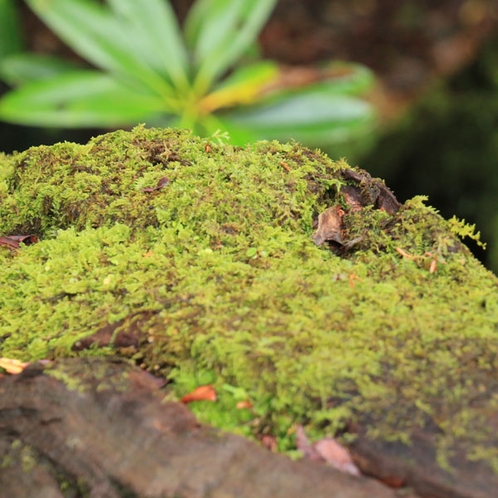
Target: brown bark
102, 431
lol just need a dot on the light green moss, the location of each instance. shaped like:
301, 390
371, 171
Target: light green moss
398, 332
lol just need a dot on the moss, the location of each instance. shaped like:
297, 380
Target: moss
397, 330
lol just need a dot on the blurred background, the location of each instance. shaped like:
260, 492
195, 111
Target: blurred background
415, 103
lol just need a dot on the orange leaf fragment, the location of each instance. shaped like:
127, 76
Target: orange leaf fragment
13, 366
201, 393
433, 266
244, 404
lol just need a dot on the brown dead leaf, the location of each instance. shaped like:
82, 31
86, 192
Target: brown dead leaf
372, 191
329, 226
13, 242
201, 393
160, 184
12, 366
352, 197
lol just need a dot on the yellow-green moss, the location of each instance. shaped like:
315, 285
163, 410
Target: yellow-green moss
398, 331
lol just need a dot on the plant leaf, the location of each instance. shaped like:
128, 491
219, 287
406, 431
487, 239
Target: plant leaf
243, 86
78, 99
157, 33
220, 31
10, 35
313, 116
96, 34
25, 67
201, 393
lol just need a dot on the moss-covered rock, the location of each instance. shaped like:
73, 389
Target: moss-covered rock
203, 254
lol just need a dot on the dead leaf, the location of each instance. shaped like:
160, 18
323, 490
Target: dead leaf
160, 184
433, 266
13, 242
372, 191
269, 442
352, 197
107, 336
336, 455
328, 450
201, 393
244, 404
329, 226
304, 446
13, 366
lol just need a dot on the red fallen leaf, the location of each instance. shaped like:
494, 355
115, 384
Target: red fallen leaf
160, 184
329, 226
13, 242
200, 393
13, 366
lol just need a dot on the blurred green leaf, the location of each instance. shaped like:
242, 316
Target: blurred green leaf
155, 30
78, 99
312, 116
96, 34
10, 35
153, 72
220, 31
346, 78
243, 86
22, 68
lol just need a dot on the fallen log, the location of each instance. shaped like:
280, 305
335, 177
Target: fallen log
97, 427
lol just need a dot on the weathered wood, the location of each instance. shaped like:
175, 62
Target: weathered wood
103, 430
415, 465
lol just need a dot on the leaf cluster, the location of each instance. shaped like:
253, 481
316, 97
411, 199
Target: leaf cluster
142, 66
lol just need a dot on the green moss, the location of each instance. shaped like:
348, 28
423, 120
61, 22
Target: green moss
397, 331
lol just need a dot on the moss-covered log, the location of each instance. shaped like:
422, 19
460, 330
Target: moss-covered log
200, 263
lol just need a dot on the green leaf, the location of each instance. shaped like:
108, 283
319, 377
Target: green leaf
96, 34
10, 34
312, 117
243, 86
22, 68
155, 30
78, 99
346, 78
220, 31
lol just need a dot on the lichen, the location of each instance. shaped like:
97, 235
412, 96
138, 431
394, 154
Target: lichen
397, 331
